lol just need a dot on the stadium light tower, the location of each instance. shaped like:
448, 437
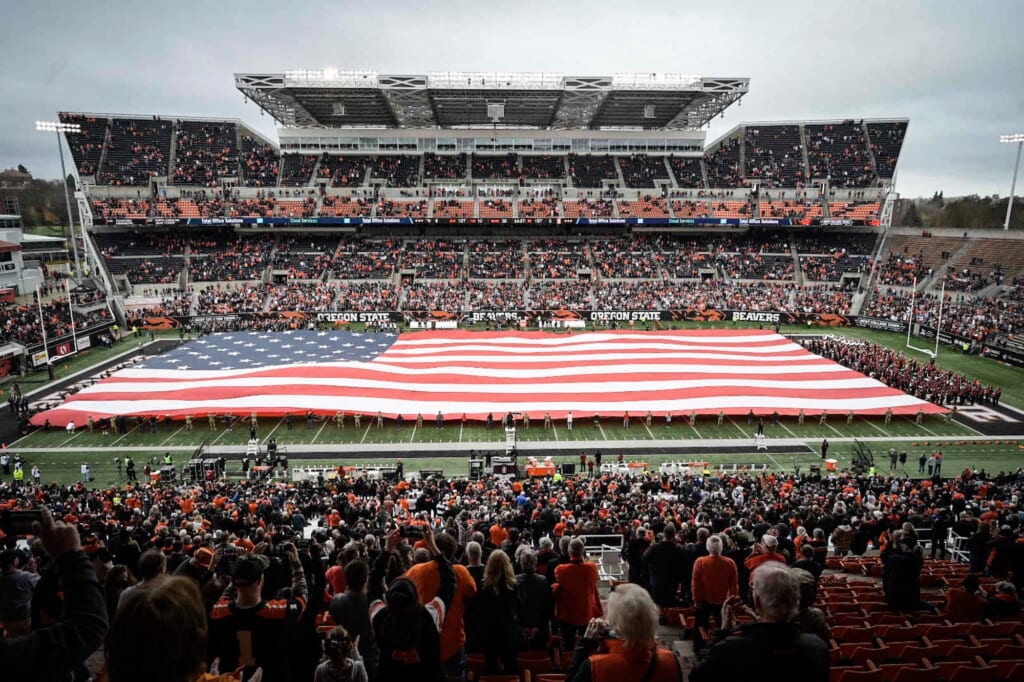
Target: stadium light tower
66, 128
1010, 139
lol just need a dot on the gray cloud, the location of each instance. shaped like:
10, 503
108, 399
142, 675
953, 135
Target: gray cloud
953, 68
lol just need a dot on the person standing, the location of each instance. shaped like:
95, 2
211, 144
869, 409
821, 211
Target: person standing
498, 606
921, 462
662, 565
714, 580
743, 652
576, 594
568, 421
824, 448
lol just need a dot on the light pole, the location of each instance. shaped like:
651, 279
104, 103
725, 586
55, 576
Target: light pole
58, 128
1010, 139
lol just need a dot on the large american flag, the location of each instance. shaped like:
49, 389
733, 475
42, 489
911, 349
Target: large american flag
476, 373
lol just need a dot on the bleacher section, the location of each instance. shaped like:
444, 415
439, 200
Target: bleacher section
591, 171
687, 172
297, 170
543, 167
839, 152
489, 167
886, 142
206, 153
260, 162
773, 156
343, 171
723, 165
396, 171
87, 146
137, 151
641, 170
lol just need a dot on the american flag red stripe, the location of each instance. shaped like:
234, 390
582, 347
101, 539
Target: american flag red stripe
476, 373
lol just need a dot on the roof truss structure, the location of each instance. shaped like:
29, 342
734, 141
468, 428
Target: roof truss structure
346, 99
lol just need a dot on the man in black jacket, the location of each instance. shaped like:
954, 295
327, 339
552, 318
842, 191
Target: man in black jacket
774, 642
536, 603
49, 653
662, 564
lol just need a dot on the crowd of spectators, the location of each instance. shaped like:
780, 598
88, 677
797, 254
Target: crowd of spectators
495, 296
886, 142
625, 259
591, 171
137, 150
434, 259
229, 299
205, 153
491, 167
223, 258
496, 260
543, 167
444, 166
189, 565
967, 315
560, 295
588, 208
433, 296
343, 171
773, 155
640, 170
297, 169
687, 171
539, 208
260, 162
20, 323
396, 171
367, 259
87, 145
840, 153
723, 165
902, 270
556, 259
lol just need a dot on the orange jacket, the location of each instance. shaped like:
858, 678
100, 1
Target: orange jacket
618, 665
715, 579
576, 596
428, 582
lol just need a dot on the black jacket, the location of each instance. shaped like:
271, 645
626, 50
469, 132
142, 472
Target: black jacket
745, 653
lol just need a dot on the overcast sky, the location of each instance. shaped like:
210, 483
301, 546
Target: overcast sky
953, 68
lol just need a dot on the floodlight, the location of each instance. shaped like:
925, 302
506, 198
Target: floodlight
1018, 139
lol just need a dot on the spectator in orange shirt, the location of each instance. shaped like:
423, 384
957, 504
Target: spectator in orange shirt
576, 596
498, 534
966, 603
427, 580
714, 580
764, 551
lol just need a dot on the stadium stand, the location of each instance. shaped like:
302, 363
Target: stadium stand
396, 171
774, 155
591, 171
644, 207
444, 166
839, 152
136, 151
687, 171
640, 170
343, 171
886, 142
723, 164
345, 207
205, 153
490, 167
87, 146
402, 209
297, 169
543, 167
260, 162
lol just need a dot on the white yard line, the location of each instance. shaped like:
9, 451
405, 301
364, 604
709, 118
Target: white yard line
366, 432
320, 431
171, 436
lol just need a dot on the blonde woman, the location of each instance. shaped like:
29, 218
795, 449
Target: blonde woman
498, 607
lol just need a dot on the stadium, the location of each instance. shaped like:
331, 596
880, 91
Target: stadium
511, 280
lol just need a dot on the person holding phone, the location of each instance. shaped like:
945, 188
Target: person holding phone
50, 653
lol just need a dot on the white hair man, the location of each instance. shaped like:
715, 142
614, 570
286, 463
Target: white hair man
714, 580
774, 640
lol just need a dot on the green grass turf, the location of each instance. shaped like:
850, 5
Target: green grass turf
610, 430
100, 449
64, 467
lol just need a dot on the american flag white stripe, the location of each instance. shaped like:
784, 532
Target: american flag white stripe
458, 372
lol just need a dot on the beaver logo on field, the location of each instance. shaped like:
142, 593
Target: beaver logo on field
564, 315
158, 323
831, 320
441, 315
